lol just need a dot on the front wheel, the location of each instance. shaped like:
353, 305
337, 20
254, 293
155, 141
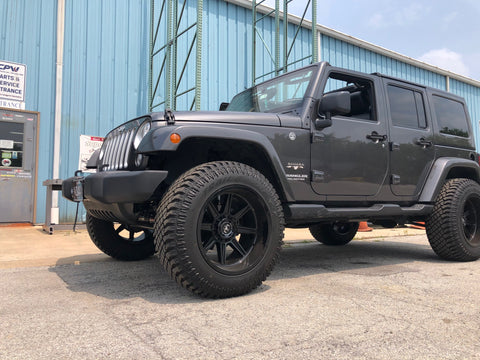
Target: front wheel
119, 241
219, 229
453, 228
334, 234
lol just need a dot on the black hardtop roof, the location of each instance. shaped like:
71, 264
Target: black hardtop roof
407, 82
432, 89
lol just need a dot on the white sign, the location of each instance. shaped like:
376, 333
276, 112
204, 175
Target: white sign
6, 144
18, 105
88, 145
12, 83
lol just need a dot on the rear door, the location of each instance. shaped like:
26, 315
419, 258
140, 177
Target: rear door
411, 138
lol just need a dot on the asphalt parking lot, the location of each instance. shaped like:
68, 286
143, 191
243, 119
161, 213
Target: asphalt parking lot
380, 297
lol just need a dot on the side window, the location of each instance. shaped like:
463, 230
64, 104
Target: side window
406, 107
361, 94
450, 116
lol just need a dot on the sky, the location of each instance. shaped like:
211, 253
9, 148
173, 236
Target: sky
439, 32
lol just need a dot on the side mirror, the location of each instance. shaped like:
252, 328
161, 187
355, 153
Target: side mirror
223, 106
336, 103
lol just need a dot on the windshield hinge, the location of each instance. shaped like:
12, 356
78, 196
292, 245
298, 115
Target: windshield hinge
169, 117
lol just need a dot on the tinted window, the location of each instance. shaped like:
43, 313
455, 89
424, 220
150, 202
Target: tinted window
451, 116
406, 107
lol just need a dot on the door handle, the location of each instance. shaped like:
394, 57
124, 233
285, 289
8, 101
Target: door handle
376, 137
424, 143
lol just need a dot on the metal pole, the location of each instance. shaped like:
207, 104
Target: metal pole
174, 55
277, 37
168, 73
285, 35
58, 105
150, 60
198, 60
314, 32
254, 42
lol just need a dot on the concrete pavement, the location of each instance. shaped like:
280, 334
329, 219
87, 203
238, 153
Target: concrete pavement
380, 298
28, 246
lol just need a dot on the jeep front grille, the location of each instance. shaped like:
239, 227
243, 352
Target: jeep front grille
117, 147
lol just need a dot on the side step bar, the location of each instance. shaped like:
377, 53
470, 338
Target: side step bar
311, 213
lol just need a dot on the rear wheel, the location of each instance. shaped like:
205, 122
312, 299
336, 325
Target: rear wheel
119, 241
219, 229
334, 234
453, 229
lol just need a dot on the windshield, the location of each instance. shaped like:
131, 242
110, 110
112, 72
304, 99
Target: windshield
277, 95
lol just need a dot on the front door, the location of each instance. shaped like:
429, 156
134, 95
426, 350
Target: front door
18, 138
351, 156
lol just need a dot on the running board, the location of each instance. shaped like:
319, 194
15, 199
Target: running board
310, 213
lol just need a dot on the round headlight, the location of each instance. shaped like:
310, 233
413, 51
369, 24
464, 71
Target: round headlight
141, 132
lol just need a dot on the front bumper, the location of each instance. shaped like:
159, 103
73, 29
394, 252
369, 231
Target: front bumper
111, 187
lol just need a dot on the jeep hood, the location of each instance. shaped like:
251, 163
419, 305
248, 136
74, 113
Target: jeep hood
232, 117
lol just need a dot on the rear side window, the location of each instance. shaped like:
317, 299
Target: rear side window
451, 116
406, 107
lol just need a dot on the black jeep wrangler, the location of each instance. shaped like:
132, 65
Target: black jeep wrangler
320, 148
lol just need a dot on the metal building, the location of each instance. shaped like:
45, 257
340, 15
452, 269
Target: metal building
92, 65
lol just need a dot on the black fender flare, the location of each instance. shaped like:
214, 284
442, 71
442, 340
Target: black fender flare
439, 173
159, 140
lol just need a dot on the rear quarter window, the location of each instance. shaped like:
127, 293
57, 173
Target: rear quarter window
451, 116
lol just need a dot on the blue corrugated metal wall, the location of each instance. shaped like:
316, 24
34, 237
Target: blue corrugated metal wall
227, 52
345, 55
105, 74
28, 36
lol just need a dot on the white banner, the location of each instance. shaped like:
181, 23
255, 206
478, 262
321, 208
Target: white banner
88, 145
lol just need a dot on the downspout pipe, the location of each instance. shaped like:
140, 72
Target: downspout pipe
58, 105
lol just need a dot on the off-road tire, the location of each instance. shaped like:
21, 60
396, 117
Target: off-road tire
107, 237
334, 234
453, 228
219, 229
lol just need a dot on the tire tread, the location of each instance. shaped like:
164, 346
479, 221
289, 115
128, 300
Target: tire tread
171, 217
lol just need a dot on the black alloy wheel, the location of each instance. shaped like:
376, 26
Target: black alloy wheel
471, 220
231, 230
219, 229
119, 241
